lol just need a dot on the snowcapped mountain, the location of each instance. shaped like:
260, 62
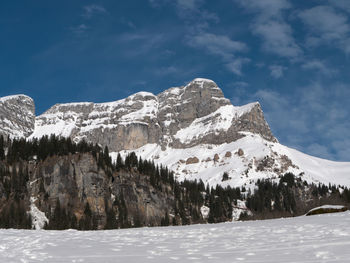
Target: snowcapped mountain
194, 130
177, 118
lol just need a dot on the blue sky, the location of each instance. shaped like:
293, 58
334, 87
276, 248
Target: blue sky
291, 56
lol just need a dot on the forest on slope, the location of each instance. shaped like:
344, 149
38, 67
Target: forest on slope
76, 185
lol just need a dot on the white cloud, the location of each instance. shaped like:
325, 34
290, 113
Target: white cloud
319, 150
218, 44
342, 4
127, 22
325, 22
266, 8
189, 4
326, 26
222, 46
80, 29
311, 114
270, 25
277, 71
166, 71
236, 65
91, 10
141, 43
277, 38
319, 66
240, 84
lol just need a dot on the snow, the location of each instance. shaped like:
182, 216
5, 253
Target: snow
220, 120
238, 209
242, 170
210, 171
327, 207
11, 97
67, 119
38, 217
205, 211
321, 238
202, 80
174, 91
317, 169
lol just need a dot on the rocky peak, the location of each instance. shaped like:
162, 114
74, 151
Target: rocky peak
179, 117
17, 116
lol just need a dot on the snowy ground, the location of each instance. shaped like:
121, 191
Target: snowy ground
323, 238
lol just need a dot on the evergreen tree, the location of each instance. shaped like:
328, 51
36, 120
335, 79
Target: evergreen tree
111, 221
2, 148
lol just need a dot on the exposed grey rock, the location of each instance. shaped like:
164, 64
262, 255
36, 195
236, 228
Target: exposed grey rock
181, 117
216, 158
240, 152
17, 116
75, 180
192, 160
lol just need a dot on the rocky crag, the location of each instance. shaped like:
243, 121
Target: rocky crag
194, 130
183, 117
17, 116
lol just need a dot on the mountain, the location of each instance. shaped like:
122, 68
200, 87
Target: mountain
177, 118
194, 130
70, 180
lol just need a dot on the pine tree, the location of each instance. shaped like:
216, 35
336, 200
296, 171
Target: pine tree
111, 221
2, 150
120, 163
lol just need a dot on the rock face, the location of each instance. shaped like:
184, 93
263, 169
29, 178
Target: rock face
17, 116
75, 180
182, 117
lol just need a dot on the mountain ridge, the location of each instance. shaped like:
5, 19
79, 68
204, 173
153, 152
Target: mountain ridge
192, 129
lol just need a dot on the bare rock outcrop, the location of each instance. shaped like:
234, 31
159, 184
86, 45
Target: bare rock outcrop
76, 180
17, 116
192, 160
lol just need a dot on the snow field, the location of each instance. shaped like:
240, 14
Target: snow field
242, 170
322, 238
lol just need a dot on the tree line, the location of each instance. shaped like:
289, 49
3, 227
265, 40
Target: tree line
189, 196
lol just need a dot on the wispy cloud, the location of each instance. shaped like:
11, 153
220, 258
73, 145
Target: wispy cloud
342, 4
270, 25
320, 66
127, 22
310, 115
80, 29
278, 39
189, 4
319, 150
198, 35
222, 46
140, 43
236, 65
326, 26
218, 44
92, 10
163, 71
277, 71
240, 84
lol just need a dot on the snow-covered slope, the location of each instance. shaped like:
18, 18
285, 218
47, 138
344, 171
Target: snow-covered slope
307, 239
245, 160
